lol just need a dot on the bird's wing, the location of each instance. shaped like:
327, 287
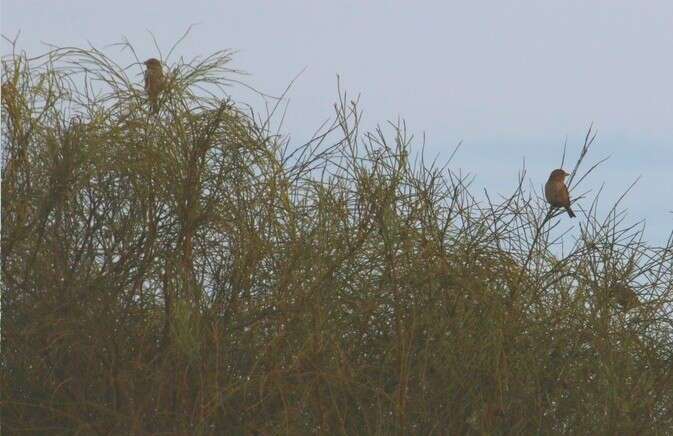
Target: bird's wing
564, 194
147, 79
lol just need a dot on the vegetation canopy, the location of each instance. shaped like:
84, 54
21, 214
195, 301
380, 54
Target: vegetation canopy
190, 270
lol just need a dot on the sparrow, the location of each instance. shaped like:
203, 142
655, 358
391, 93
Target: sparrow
625, 296
8, 93
556, 191
154, 82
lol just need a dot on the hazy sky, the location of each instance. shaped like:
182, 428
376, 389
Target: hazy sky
511, 79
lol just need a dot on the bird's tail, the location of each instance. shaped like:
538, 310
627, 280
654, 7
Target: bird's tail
570, 212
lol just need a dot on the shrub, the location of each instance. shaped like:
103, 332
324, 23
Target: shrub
191, 271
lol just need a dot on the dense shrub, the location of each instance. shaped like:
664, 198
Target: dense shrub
193, 272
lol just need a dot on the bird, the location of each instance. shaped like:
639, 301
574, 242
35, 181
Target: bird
8, 93
556, 191
154, 82
625, 296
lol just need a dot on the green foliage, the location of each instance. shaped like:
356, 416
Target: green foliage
189, 272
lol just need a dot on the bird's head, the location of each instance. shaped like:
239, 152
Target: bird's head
152, 62
558, 174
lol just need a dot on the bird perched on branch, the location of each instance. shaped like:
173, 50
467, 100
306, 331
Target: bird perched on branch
8, 93
154, 82
556, 191
625, 296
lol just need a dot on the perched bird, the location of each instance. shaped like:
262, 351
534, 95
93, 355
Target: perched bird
154, 82
8, 93
556, 191
625, 296
11, 101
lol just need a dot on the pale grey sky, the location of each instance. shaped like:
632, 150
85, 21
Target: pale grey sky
511, 79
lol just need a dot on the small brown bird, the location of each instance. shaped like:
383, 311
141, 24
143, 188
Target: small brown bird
556, 191
154, 82
8, 93
625, 296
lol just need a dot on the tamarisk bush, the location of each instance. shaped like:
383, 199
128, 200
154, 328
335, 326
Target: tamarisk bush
192, 271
